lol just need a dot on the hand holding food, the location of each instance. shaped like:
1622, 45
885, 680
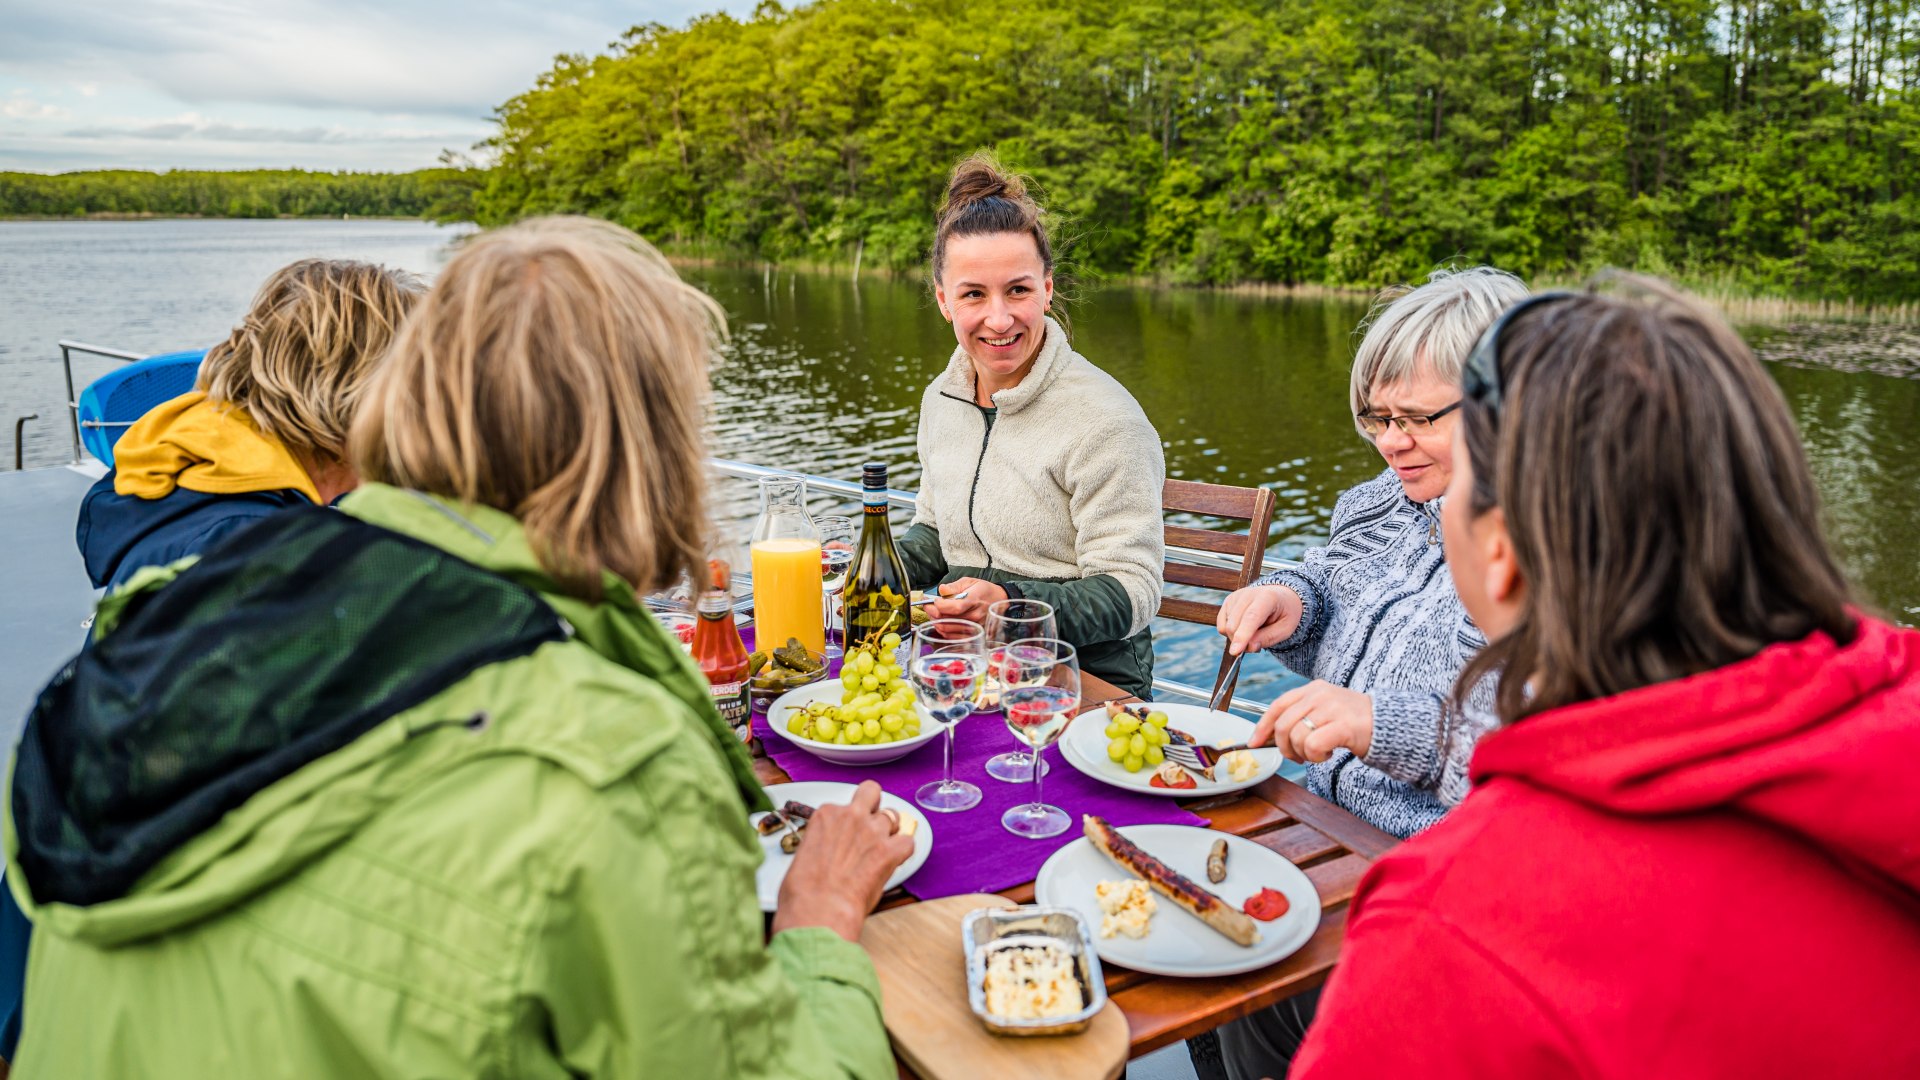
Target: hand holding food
1308, 723
837, 875
1258, 617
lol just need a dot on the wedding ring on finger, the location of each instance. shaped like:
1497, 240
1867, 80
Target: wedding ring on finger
892, 816
1307, 722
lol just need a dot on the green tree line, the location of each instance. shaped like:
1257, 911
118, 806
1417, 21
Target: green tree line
1765, 144
254, 193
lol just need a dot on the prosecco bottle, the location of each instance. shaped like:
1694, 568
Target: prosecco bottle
877, 588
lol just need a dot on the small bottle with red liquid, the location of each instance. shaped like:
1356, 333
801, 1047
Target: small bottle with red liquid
719, 650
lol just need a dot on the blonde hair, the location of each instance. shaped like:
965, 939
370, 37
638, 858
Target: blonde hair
1430, 328
558, 372
299, 361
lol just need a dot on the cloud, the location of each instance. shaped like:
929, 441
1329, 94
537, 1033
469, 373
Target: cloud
316, 83
19, 105
437, 56
198, 128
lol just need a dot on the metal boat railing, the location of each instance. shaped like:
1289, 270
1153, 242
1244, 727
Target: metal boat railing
740, 469
67, 349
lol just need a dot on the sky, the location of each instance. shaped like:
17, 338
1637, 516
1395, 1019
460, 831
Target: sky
340, 84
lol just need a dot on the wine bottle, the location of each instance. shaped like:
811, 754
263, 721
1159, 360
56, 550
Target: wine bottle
877, 589
718, 650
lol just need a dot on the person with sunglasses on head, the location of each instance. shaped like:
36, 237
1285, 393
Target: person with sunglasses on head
1690, 847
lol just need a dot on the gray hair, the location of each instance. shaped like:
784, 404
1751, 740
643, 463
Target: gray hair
1432, 327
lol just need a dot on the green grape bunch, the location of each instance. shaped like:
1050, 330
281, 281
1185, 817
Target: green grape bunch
1134, 743
876, 704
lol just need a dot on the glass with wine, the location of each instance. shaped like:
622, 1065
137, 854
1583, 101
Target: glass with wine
1009, 621
946, 661
1040, 694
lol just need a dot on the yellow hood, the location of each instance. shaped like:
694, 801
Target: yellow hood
191, 442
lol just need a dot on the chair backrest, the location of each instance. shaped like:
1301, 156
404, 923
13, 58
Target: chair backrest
110, 404
1252, 505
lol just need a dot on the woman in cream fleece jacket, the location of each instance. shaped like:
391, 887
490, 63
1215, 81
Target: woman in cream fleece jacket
1040, 475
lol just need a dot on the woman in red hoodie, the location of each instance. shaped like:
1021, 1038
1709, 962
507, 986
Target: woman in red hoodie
1693, 849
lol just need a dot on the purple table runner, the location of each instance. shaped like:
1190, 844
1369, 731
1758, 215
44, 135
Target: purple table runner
972, 851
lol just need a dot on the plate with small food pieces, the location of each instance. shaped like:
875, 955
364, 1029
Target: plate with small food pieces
1181, 901
1127, 746
784, 832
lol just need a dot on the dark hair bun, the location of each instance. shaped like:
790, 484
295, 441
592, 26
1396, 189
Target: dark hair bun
984, 198
979, 178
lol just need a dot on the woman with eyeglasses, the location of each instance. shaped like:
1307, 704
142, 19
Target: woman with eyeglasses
1371, 618
1690, 847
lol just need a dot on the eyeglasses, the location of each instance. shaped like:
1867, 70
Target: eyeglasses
1481, 379
1412, 425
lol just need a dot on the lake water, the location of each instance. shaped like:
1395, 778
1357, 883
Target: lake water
825, 373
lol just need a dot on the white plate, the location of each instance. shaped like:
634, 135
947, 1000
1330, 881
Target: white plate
857, 754
1085, 747
818, 793
1177, 943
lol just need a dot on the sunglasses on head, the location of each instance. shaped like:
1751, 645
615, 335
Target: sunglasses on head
1480, 381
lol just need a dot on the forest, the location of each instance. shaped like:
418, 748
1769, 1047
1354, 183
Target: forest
244, 194
1758, 146
1764, 145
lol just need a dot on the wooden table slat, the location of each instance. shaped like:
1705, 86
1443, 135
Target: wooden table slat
1243, 816
1299, 844
1358, 836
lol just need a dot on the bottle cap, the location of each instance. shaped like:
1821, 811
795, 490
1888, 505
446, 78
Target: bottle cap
874, 475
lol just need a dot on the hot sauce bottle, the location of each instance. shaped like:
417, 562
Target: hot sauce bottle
719, 650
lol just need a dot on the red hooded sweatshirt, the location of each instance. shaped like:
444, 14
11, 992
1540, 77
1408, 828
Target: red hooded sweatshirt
1713, 877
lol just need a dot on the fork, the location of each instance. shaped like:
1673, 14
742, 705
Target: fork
1197, 756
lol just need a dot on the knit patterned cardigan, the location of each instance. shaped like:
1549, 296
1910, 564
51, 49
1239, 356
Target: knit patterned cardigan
1380, 615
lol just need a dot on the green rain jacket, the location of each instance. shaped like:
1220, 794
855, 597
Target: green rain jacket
544, 870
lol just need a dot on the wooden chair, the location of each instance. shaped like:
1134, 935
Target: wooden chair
1252, 505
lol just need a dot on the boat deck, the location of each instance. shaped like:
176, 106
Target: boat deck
44, 583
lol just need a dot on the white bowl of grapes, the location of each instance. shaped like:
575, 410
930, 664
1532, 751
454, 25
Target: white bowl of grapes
867, 716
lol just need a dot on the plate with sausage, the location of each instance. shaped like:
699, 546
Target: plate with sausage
1181, 901
784, 831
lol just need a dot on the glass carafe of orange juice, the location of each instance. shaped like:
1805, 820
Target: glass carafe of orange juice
786, 567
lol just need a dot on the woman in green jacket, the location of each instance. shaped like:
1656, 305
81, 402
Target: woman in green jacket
420, 789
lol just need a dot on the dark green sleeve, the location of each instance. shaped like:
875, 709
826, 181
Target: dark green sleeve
919, 549
1087, 611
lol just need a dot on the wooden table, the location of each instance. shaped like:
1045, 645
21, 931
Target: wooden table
1331, 845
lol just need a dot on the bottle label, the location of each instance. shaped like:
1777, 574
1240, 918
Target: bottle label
874, 502
731, 699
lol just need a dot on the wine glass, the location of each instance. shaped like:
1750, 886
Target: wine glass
1009, 621
1041, 694
946, 661
836, 556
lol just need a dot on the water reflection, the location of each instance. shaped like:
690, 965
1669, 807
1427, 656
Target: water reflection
824, 373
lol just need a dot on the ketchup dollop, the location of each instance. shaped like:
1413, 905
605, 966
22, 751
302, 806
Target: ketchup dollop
1266, 905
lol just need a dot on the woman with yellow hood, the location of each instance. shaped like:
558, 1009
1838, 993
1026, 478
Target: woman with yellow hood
265, 427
